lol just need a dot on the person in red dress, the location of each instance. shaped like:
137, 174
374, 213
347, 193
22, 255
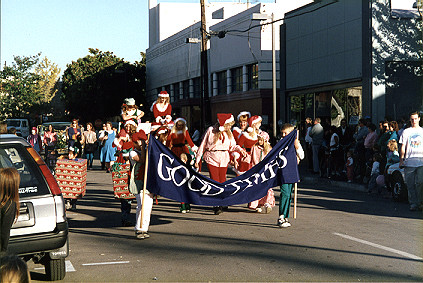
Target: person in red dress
162, 111
242, 118
177, 141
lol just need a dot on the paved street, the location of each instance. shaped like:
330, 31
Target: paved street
340, 234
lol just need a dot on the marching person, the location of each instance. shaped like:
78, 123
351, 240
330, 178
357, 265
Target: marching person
35, 140
286, 189
411, 158
162, 111
217, 145
136, 186
177, 141
89, 139
107, 153
130, 111
258, 152
242, 118
247, 140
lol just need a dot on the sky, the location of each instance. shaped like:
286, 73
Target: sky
63, 30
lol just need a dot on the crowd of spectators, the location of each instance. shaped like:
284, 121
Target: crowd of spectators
348, 152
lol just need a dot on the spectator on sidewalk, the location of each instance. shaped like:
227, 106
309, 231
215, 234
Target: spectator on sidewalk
309, 141
411, 157
316, 133
370, 141
359, 147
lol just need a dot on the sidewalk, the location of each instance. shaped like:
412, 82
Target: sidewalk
310, 178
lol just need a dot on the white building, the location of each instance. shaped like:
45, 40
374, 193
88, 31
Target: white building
240, 63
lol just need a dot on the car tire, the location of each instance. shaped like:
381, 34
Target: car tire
55, 269
399, 189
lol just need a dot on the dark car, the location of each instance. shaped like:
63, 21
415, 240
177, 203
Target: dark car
41, 231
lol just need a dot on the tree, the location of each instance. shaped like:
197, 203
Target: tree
48, 73
19, 91
96, 85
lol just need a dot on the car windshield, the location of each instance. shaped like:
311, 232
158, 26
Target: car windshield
13, 123
32, 182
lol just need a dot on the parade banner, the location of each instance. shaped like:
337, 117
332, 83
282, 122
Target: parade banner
169, 177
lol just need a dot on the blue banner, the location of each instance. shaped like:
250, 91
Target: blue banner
169, 177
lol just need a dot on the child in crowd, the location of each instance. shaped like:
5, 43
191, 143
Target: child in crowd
14, 269
286, 189
377, 159
258, 152
350, 167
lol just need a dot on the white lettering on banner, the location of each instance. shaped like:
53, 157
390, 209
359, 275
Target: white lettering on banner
160, 165
209, 189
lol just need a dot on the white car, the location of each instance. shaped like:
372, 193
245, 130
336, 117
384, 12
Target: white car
396, 182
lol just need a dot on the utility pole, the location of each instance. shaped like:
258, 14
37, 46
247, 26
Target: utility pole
205, 100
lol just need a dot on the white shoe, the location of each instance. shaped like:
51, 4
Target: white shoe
259, 210
285, 224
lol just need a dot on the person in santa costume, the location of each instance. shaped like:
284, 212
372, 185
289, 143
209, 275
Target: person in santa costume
247, 140
177, 141
215, 149
242, 118
130, 111
258, 152
161, 134
162, 111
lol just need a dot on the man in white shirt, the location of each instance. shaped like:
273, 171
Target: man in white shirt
411, 158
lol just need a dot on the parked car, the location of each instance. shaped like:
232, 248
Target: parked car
41, 231
20, 124
396, 183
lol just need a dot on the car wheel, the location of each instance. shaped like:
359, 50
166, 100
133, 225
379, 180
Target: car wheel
55, 269
399, 189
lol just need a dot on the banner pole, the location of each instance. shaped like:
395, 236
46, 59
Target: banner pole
295, 200
145, 182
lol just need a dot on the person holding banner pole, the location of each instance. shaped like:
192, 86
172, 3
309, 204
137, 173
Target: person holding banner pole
138, 185
217, 145
286, 189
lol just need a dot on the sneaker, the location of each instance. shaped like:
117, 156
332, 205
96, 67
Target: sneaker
183, 211
288, 224
142, 235
259, 210
268, 209
280, 222
217, 210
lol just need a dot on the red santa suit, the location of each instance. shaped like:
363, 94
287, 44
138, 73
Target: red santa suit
246, 141
162, 113
177, 142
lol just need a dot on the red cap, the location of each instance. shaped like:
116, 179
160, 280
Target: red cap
140, 135
224, 118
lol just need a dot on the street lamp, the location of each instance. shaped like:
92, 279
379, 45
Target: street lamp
261, 17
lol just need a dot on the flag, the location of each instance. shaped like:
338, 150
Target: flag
169, 177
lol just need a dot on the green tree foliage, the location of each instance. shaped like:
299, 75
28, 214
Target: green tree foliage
19, 90
96, 85
48, 73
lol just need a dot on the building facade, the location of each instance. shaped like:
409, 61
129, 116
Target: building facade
239, 63
351, 59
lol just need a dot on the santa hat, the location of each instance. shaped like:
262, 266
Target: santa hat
253, 120
140, 135
181, 119
224, 118
243, 113
131, 122
264, 135
129, 101
163, 93
162, 130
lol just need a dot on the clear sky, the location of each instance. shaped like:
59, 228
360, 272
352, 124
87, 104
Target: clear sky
63, 30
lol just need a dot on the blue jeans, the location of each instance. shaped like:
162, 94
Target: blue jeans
90, 158
414, 182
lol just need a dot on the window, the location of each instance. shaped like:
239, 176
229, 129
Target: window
185, 89
236, 76
221, 83
253, 76
197, 87
176, 92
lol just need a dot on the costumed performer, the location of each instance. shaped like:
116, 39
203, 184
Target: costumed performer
177, 141
217, 145
130, 111
162, 111
242, 118
247, 140
258, 152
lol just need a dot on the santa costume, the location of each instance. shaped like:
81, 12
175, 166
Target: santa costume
162, 112
242, 117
